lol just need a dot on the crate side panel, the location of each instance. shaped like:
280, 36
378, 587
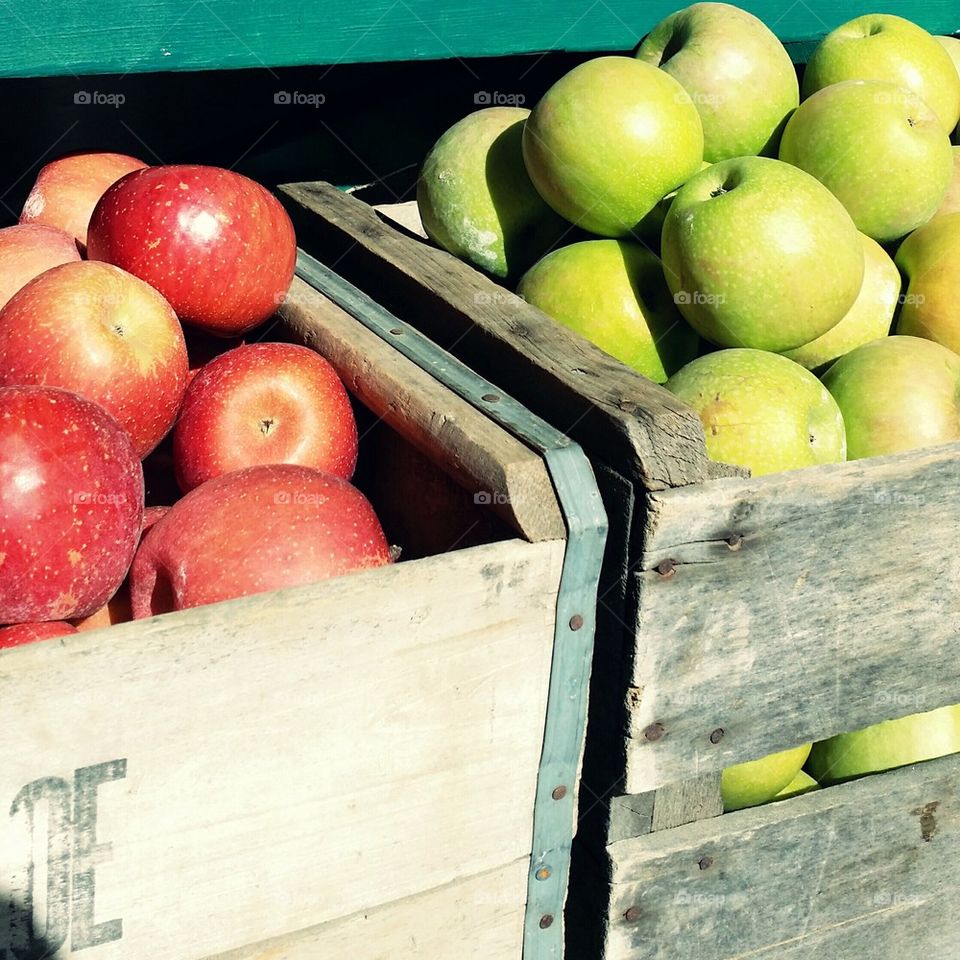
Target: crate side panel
788, 608
254, 768
867, 863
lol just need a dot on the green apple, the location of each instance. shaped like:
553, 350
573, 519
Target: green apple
884, 746
757, 781
800, 784
897, 393
609, 140
870, 316
650, 228
760, 254
880, 46
476, 199
761, 411
613, 293
737, 72
879, 149
929, 259
951, 200
952, 46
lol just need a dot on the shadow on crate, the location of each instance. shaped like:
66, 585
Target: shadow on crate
18, 935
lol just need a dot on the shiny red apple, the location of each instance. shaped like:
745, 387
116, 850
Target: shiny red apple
29, 249
21, 633
71, 504
67, 190
253, 530
99, 331
216, 244
264, 403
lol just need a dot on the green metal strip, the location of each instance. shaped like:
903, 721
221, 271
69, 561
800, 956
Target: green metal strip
576, 488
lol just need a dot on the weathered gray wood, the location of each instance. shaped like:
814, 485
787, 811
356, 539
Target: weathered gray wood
582, 390
783, 609
510, 478
866, 869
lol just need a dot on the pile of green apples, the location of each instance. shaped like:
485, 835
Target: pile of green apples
782, 255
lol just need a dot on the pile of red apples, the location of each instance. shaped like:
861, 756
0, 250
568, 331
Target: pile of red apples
133, 305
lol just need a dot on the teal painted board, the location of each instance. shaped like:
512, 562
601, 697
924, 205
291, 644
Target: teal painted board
79, 37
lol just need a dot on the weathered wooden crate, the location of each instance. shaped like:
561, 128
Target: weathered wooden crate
738, 616
346, 769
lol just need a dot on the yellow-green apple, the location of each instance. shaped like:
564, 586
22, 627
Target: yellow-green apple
897, 393
67, 190
218, 246
870, 316
650, 228
761, 410
100, 332
737, 73
21, 633
880, 46
757, 781
71, 504
800, 784
929, 259
613, 293
476, 199
253, 530
952, 46
951, 199
608, 140
264, 403
757, 253
29, 249
884, 746
879, 149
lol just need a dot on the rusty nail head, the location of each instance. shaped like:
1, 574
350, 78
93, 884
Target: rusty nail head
654, 731
717, 735
491, 397
559, 792
632, 914
666, 568
546, 921
705, 862
396, 331
735, 541
576, 622
627, 406
544, 873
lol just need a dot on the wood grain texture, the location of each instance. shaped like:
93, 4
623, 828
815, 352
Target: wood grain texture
282, 760
866, 869
483, 907
489, 463
794, 606
49, 37
637, 425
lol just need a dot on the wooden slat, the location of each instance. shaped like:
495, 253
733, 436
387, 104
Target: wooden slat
866, 869
616, 414
283, 760
792, 607
475, 451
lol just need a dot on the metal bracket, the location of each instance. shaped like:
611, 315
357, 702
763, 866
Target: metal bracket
554, 814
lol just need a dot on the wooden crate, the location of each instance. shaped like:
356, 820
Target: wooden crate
345, 769
738, 616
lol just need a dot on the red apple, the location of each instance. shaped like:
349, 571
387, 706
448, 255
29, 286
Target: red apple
67, 190
100, 332
28, 250
71, 504
217, 245
264, 403
22, 633
253, 530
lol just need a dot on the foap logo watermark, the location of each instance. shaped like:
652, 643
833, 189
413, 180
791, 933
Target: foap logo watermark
98, 98
486, 299
907, 702
491, 498
911, 299
496, 98
285, 498
699, 298
299, 98
707, 899
898, 498
886, 898
700, 99
98, 498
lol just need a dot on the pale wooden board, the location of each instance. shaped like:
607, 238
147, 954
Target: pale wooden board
583, 391
840, 608
406, 215
473, 449
842, 873
487, 909
295, 757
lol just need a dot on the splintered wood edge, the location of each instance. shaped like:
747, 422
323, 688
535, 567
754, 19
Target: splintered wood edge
659, 436
463, 442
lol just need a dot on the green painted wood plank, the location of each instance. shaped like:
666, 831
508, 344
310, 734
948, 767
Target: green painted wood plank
62, 37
